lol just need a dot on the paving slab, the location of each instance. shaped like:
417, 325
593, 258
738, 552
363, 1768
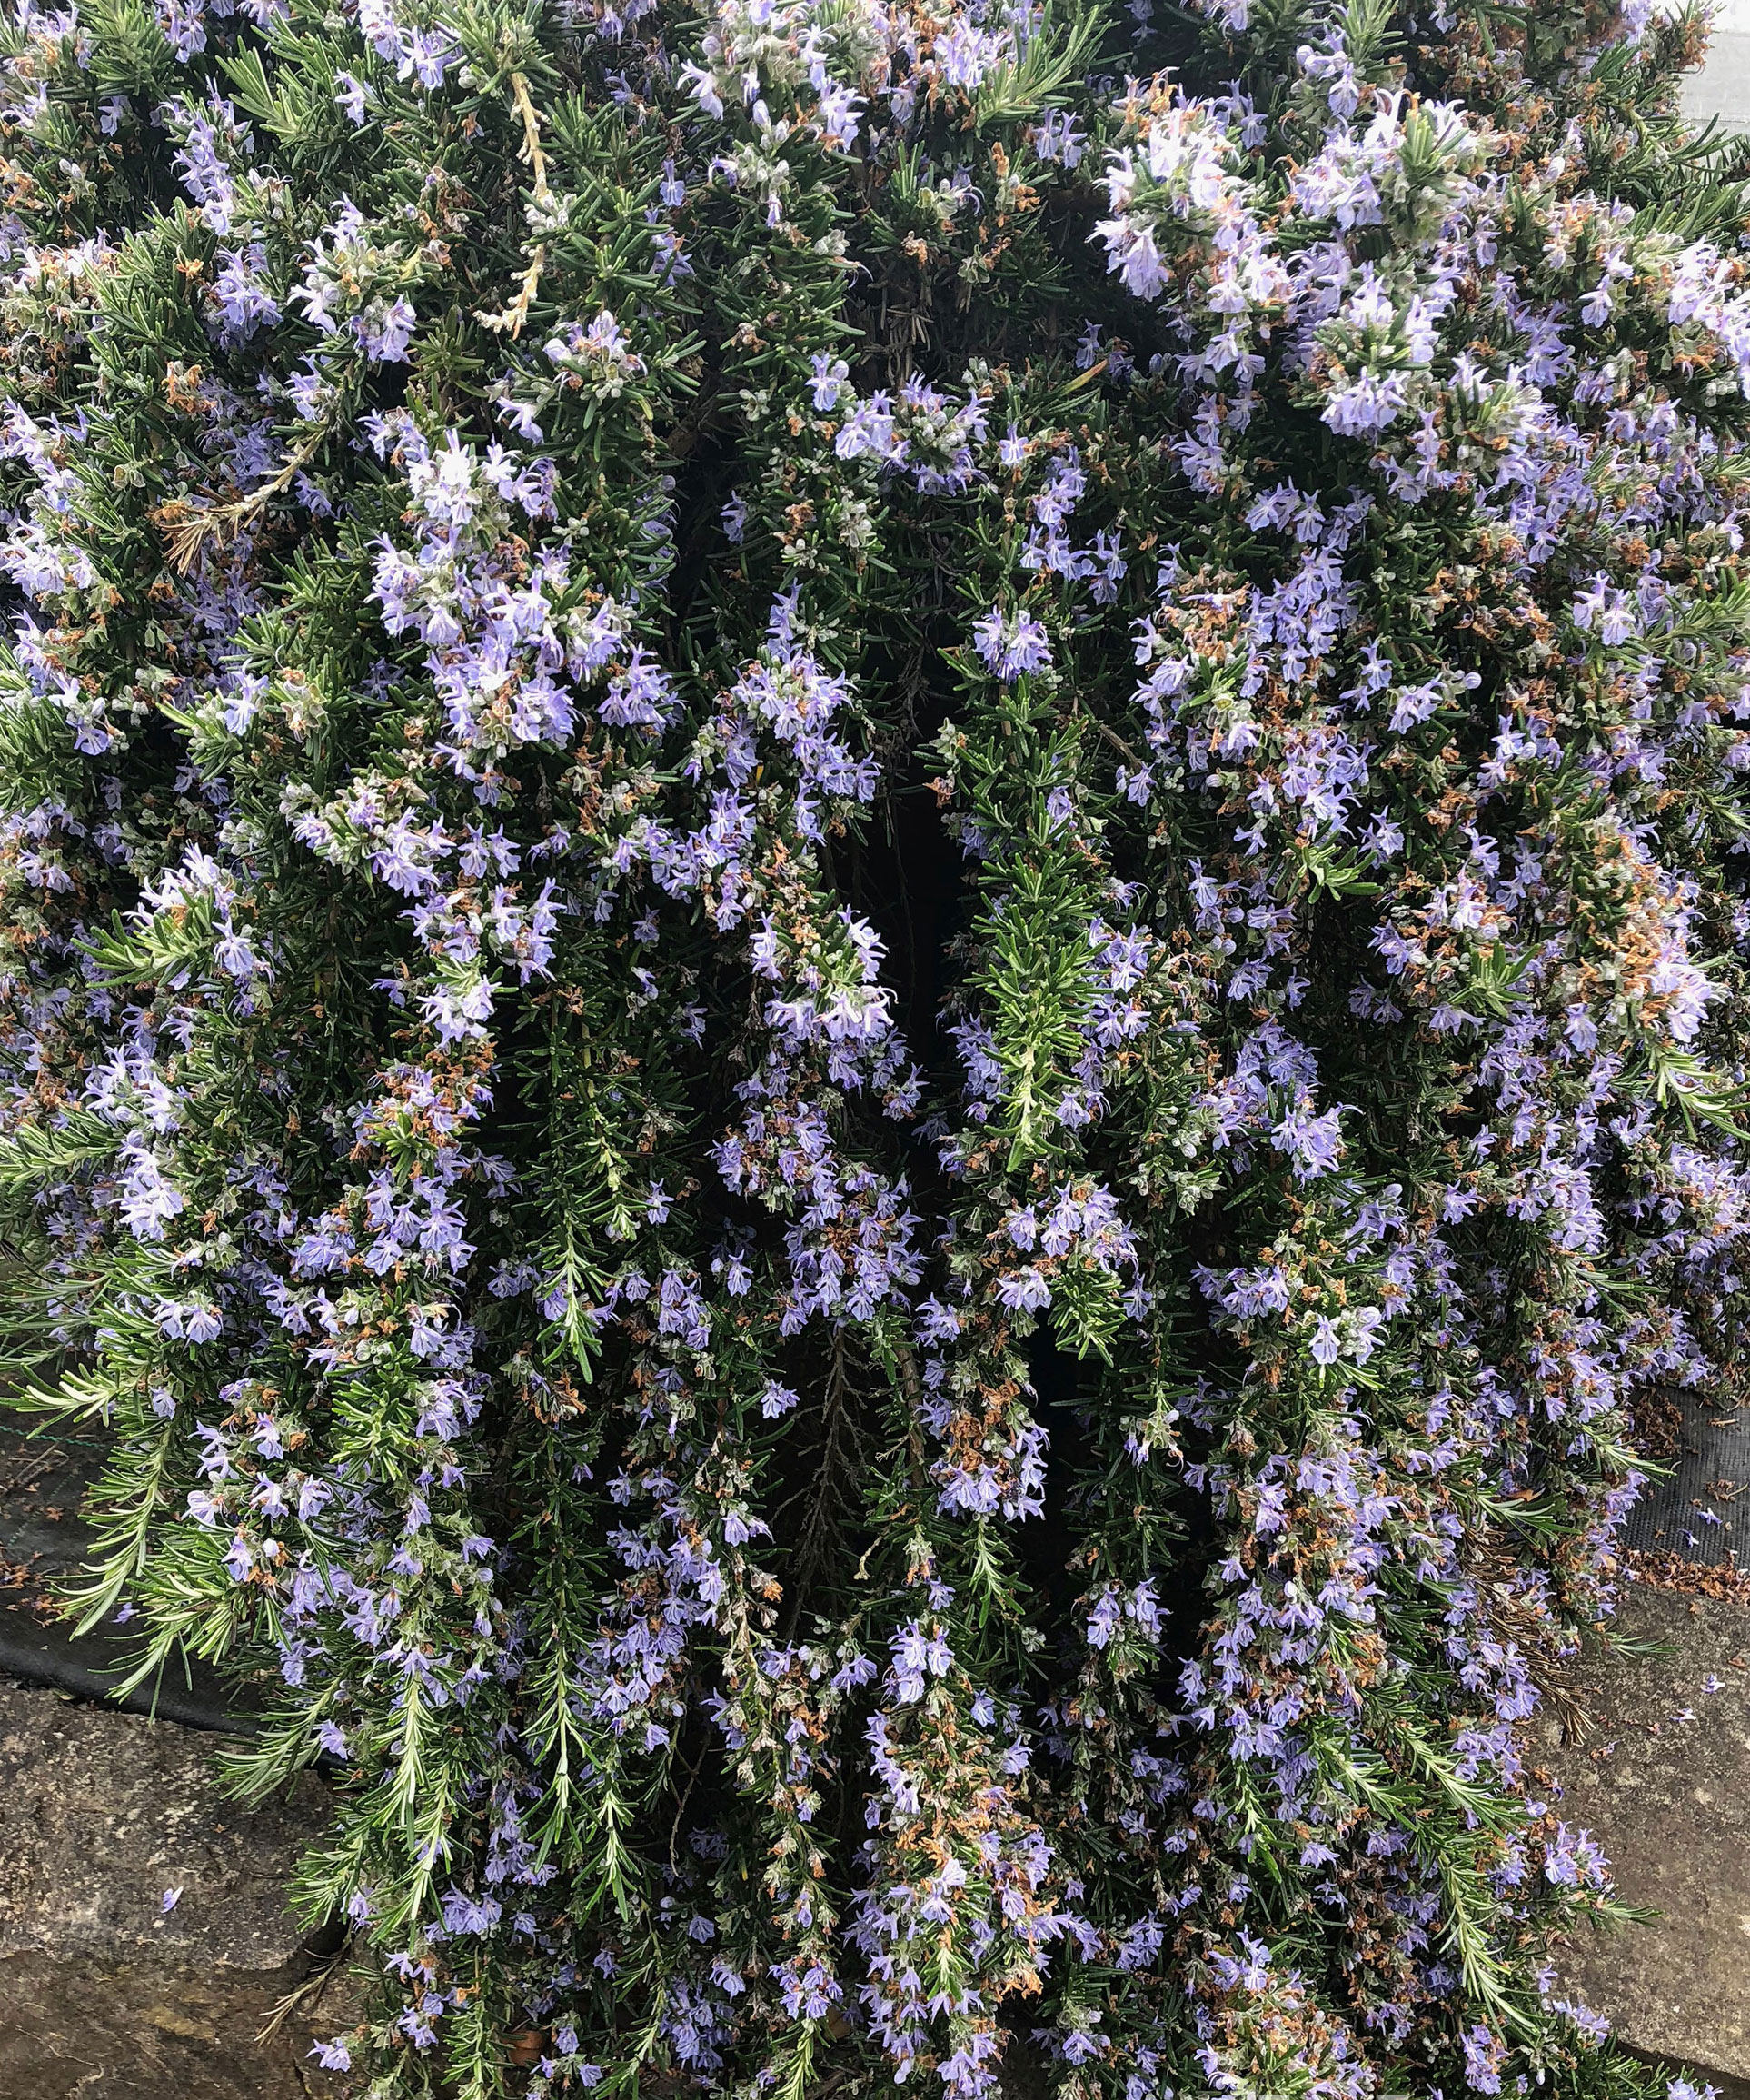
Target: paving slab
104, 1993
1647, 1745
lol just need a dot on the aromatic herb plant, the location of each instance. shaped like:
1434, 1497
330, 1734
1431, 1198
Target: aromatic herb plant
873, 893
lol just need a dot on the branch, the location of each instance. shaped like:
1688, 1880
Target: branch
517, 313
224, 522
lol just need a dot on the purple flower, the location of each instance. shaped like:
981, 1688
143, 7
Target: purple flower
1011, 645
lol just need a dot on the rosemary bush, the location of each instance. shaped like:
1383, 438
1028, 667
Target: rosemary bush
872, 983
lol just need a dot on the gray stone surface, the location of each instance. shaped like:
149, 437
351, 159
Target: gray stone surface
1722, 86
1637, 1750
102, 1992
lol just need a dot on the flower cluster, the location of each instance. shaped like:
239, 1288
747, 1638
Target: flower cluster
873, 991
